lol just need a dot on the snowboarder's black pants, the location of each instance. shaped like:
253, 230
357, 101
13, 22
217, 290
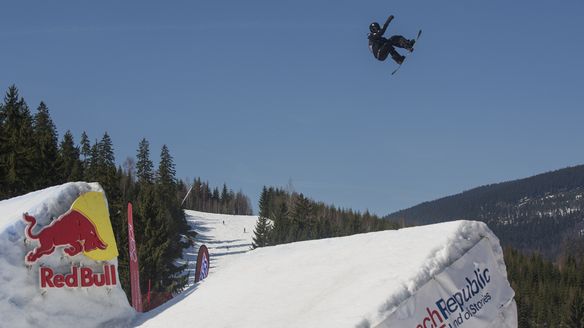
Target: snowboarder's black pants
388, 48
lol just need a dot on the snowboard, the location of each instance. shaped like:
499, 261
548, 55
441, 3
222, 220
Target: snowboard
409, 53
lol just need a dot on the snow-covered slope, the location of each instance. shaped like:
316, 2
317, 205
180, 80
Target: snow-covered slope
22, 302
355, 281
224, 235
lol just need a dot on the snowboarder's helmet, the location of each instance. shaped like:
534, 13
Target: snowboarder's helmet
374, 27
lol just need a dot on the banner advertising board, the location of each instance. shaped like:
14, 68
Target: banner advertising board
202, 264
471, 292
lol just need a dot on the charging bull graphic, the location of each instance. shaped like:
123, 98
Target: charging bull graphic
83, 228
71, 229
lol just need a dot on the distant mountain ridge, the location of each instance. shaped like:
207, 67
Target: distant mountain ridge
543, 213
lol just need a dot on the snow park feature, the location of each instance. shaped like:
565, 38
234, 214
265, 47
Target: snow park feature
420, 277
60, 272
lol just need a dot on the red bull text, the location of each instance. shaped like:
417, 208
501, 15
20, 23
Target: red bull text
78, 277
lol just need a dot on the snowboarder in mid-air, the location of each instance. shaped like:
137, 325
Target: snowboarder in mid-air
381, 47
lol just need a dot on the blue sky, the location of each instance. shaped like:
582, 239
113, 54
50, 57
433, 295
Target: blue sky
255, 93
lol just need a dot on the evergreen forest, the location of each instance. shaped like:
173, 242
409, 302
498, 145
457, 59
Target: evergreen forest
286, 216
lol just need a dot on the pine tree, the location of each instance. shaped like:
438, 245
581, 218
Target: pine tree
45, 156
171, 220
106, 153
165, 178
85, 150
263, 203
302, 218
262, 234
225, 201
69, 166
215, 199
17, 156
144, 166
242, 204
149, 232
90, 172
196, 197
127, 179
262, 229
106, 166
281, 228
3, 150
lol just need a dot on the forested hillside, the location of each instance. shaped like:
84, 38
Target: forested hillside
201, 197
543, 213
287, 216
547, 295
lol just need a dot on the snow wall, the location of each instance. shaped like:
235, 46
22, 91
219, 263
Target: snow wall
24, 302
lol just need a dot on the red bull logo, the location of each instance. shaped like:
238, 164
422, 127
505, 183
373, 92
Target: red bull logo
84, 229
72, 230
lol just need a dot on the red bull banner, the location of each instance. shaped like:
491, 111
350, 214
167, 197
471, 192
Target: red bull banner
203, 264
84, 229
134, 267
472, 292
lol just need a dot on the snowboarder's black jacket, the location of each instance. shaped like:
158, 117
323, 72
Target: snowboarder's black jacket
376, 40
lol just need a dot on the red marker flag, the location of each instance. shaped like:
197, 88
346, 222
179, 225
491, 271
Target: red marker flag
134, 268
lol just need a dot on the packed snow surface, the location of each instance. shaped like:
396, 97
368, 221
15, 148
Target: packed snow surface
22, 302
354, 281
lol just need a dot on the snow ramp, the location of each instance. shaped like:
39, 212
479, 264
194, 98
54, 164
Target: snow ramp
443, 275
40, 284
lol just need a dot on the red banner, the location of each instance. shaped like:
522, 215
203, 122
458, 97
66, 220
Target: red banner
203, 264
134, 268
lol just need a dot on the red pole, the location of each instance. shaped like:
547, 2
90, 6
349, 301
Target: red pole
149, 293
134, 267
